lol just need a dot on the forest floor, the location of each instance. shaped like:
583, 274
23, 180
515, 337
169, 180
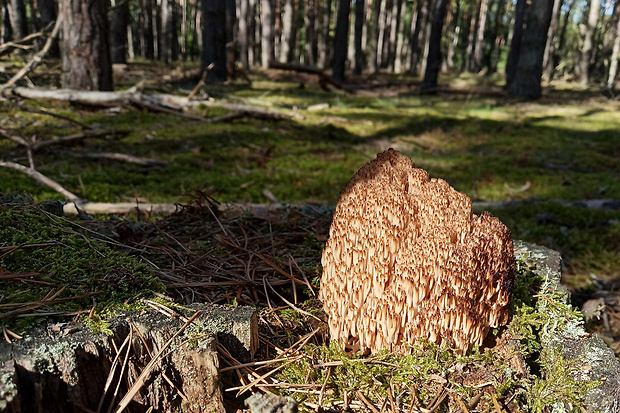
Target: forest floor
563, 146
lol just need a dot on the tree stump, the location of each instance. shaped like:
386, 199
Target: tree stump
66, 367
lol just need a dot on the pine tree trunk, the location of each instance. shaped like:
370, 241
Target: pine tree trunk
19, 20
515, 42
167, 32
309, 23
252, 34
497, 37
453, 36
242, 34
434, 52
427, 33
383, 16
479, 44
47, 12
548, 67
340, 40
287, 28
86, 52
374, 37
400, 39
527, 80
214, 39
393, 34
267, 35
562, 35
615, 53
7, 32
324, 38
588, 41
149, 40
118, 31
414, 37
359, 25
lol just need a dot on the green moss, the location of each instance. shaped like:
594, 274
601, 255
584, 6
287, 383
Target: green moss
65, 261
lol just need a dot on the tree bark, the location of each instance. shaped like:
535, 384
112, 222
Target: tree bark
47, 12
497, 38
242, 34
118, 31
383, 16
287, 31
7, 32
528, 74
359, 24
615, 53
267, 36
19, 20
434, 52
147, 30
588, 41
340, 40
515, 43
214, 39
86, 52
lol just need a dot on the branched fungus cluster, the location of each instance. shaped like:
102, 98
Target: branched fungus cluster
406, 258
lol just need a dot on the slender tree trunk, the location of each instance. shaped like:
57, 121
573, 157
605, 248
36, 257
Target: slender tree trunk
252, 34
242, 34
214, 39
427, 33
393, 33
47, 12
86, 52
351, 42
414, 37
471, 35
498, 37
149, 40
374, 37
588, 42
340, 40
515, 43
615, 53
479, 44
7, 31
400, 39
434, 52
562, 37
453, 36
383, 16
19, 20
527, 79
267, 37
287, 29
309, 23
324, 38
118, 31
359, 24
548, 67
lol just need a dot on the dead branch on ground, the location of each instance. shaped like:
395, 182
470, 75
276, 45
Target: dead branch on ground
323, 79
35, 60
114, 156
21, 43
42, 179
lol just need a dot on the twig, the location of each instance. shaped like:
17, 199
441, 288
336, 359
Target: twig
201, 83
147, 370
293, 306
42, 179
18, 43
112, 372
25, 108
78, 137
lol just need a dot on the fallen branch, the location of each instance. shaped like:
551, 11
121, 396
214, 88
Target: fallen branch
35, 60
323, 78
63, 140
19, 44
42, 179
156, 102
122, 157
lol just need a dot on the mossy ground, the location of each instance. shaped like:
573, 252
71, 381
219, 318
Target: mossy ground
563, 146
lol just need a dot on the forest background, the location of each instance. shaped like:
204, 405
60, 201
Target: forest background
506, 100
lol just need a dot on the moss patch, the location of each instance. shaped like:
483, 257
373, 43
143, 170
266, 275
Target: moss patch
65, 262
